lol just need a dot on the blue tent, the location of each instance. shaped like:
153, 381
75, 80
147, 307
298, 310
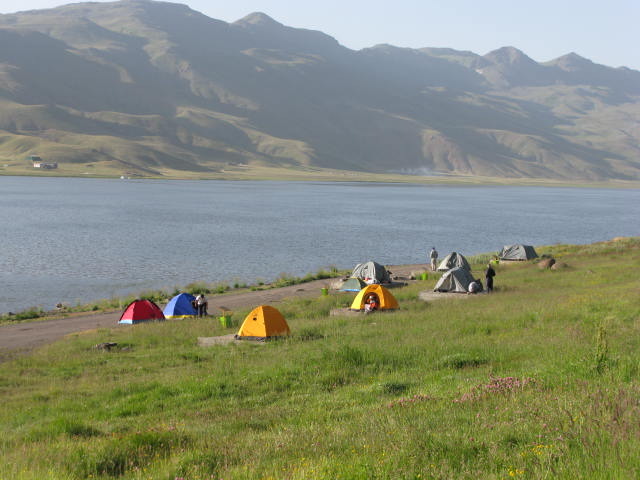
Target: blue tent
180, 306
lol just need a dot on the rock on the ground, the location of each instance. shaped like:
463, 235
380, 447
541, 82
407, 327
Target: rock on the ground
546, 263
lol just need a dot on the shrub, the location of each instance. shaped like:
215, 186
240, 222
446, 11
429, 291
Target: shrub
29, 314
601, 356
461, 360
62, 426
309, 333
199, 465
119, 455
394, 388
157, 296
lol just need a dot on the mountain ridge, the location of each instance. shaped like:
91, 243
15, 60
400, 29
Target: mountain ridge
161, 88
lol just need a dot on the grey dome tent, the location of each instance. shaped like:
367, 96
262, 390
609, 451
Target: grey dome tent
453, 260
456, 280
371, 272
517, 252
353, 285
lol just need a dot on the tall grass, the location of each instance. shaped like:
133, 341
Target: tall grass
538, 380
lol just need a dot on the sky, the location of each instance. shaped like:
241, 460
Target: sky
604, 31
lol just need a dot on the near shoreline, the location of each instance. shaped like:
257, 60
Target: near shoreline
26, 335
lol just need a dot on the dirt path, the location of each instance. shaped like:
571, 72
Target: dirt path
22, 337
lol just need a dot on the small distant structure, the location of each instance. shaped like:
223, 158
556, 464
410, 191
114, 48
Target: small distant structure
38, 163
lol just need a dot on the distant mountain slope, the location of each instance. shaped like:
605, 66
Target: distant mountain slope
153, 87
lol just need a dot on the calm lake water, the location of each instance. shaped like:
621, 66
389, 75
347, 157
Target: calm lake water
76, 240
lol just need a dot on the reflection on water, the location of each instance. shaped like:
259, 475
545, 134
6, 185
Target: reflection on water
76, 240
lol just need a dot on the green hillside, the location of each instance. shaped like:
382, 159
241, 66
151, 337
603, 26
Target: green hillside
157, 89
537, 380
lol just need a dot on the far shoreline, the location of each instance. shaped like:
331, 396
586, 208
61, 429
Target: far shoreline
266, 175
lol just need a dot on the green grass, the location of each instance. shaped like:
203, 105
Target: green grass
538, 380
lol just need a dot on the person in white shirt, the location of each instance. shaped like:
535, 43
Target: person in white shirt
201, 305
433, 255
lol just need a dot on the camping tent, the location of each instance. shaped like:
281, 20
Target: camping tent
262, 323
517, 252
371, 272
141, 311
387, 300
353, 284
456, 280
453, 260
180, 306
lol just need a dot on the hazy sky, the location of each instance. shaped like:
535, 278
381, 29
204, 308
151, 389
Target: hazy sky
605, 31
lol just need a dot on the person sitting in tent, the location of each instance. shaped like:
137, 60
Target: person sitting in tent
372, 304
201, 305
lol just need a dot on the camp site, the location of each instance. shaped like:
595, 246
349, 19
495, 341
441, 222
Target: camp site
535, 380
253, 240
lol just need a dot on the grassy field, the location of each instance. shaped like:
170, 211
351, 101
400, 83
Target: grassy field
538, 380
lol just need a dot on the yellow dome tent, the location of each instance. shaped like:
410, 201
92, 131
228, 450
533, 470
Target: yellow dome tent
387, 301
262, 323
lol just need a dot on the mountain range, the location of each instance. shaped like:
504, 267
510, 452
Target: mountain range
156, 88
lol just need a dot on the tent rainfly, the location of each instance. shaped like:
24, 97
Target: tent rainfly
263, 323
180, 306
371, 272
456, 280
387, 300
141, 311
517, 252
453, 260
353, 284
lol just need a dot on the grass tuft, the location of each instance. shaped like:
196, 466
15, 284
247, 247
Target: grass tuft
461, 360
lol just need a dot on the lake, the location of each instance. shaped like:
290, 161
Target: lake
77, 240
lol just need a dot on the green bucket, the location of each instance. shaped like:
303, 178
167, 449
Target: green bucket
225, 321
324, 291
424, 276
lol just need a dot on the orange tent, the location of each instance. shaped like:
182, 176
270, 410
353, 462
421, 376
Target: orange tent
387, 301
262, 323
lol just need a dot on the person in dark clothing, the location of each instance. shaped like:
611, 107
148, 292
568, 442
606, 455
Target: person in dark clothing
488, 275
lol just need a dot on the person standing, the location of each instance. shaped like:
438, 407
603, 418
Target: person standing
433, 256
201, 305
488, 275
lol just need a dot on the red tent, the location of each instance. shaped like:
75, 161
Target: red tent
141, 311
